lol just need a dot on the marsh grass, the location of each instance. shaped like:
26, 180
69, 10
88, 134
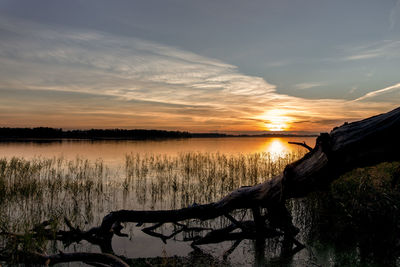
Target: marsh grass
39, 189
33, 190
362, 207
20, 178
197, 177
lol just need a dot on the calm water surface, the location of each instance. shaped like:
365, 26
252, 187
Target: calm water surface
114, 152
85, 180
165, 174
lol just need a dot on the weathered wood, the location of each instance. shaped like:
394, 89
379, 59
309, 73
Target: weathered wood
349, 146
353, 145
301, 144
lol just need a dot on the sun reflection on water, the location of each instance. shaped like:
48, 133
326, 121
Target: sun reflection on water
85, 190
276, 147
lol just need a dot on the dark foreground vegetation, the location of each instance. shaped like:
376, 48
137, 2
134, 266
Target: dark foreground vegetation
45, 133
359, 217
361, 207
356, 221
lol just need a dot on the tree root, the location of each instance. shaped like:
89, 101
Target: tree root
349, 146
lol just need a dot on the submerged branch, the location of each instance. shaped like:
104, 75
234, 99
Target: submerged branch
349, 146
352, 145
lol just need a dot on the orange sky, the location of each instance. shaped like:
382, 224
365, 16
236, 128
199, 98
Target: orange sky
82, 78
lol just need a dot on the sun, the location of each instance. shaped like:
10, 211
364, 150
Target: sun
275, 126
276, 121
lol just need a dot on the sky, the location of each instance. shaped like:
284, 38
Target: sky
200, 66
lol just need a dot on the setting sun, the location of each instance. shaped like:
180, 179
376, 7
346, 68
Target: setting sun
276, 126
276, 121
138, 120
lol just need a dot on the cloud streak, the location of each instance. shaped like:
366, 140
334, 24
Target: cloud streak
387, 48
85, 79
303, 86
393, 15
379, 92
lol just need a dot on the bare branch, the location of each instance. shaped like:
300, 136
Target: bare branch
301, 144
349, 146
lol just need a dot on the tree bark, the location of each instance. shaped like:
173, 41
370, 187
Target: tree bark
349, 146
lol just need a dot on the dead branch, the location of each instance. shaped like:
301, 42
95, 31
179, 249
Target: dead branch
352, 145
349, 146
301, 144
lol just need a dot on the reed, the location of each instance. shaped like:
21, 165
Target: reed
35, 190
32, 191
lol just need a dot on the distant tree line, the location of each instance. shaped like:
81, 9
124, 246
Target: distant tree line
54, 133
45, 133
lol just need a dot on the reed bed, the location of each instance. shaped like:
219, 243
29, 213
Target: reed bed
38, 189
196, 177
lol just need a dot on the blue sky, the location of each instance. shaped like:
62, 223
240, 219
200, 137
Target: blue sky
229, 66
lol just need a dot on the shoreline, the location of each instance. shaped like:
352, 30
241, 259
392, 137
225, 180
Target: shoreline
38, 140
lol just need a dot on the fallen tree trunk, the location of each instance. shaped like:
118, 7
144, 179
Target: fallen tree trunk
349, 146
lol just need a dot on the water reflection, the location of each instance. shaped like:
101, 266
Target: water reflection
276, 148
133, 175
279, 147
32, 191
113, 152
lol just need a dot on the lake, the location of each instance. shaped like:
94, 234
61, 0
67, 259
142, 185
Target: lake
85, 180
113, 152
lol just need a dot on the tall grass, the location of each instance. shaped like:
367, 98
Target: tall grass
20, 178
197, 177
84, 191
358, 203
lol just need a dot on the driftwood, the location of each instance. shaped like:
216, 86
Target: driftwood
349, 146
302, 144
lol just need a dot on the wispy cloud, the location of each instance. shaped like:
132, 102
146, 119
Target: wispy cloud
303, 86
379, 92
353, 89
393, 15
387, 48
84, 79
365, 55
